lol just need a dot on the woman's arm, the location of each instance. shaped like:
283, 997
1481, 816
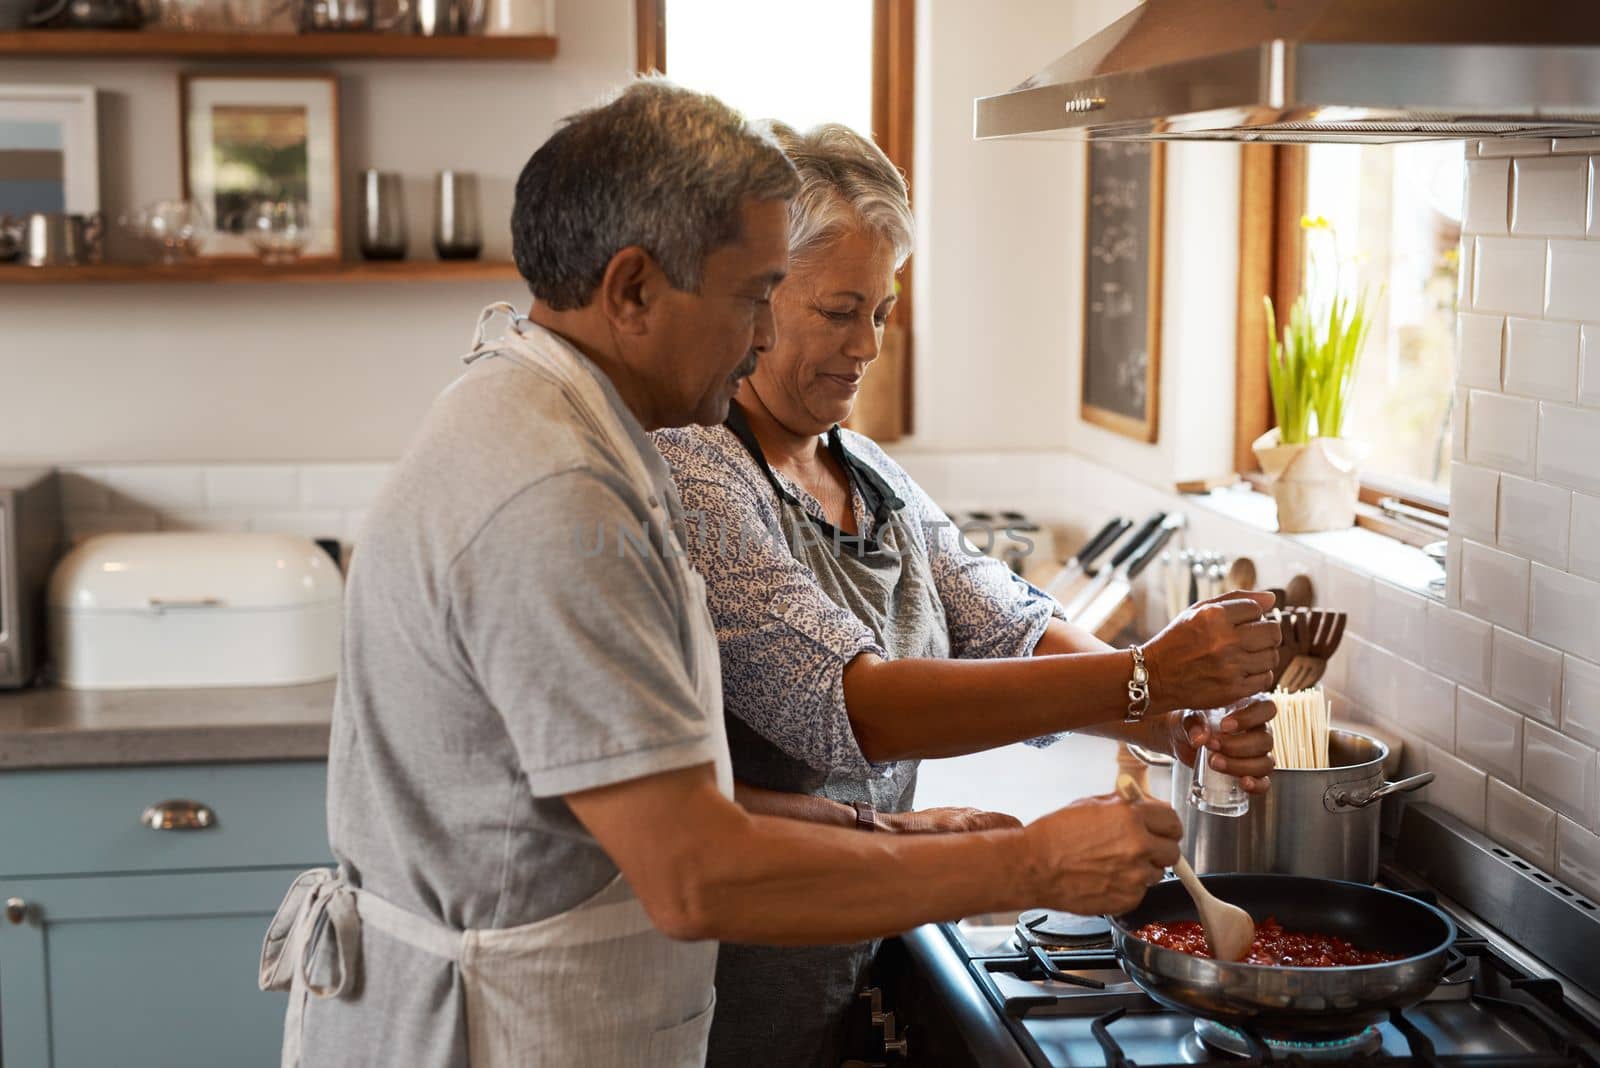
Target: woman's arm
1212, 655
1244, 752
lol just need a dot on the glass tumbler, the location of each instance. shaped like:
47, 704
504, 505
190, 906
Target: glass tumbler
383, 216
457, 232
1213, 791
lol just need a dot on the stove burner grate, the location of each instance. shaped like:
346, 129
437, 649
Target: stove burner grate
1062, 930
1229, 1040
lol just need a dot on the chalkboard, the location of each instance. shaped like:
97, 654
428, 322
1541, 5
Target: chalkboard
1122, 287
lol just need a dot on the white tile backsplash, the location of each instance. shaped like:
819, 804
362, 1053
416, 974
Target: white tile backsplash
1534, 519
1494, 585
154, 487
1351, 591
1479, 343
1502, 431
1424, 702
1564, 611
1550, 196
1526, 676
1589, 365
343, 486
1458, 787
1560, 772
1489, 735
1580, 701
1399, 621
1515, 817
1508, 276
1458, 646
1569, 446
1454, 545
1474, 502
308, 524
1574, 280
257, 487
1487, 199
1578, 857
1500, 147
1541, 359
1584, 553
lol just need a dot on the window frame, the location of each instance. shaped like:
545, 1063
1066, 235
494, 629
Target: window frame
1271, 258
893, 127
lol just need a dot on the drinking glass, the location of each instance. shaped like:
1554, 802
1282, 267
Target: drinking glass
383, 216
1213, 791
279, 229
173, 229
457, 233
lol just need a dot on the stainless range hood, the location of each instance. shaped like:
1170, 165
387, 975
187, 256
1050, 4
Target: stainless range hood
1318, 70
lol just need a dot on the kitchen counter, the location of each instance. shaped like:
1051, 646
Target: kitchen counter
53, 728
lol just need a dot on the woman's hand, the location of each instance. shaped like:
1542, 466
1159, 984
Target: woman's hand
945, 821
1214, 653
1242, 748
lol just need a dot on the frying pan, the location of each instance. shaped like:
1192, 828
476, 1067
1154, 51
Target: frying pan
1282, 1001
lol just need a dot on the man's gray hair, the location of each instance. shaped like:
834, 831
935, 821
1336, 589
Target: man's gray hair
846, 183
658, 166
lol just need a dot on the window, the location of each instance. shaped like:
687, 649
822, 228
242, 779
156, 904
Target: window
1396, 212
763, 58
1395, 226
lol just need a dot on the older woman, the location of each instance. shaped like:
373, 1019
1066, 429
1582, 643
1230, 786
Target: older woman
856, 634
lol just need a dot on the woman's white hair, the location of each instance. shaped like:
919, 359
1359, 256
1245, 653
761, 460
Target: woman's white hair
846, 183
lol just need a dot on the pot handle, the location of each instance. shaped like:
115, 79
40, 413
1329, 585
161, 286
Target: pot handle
1338, 797
1155, 760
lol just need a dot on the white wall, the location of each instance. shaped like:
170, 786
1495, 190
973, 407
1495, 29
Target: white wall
999, 283
283, 372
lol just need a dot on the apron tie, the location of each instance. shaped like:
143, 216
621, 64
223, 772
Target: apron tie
317, 899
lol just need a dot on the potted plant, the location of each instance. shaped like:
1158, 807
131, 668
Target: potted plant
1311, 370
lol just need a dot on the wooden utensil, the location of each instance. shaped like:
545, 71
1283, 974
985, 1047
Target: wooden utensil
1229, 928
1308, 666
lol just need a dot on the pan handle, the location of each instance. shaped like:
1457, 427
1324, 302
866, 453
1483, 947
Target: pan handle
1338, 797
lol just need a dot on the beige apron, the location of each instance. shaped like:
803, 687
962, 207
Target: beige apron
595, 985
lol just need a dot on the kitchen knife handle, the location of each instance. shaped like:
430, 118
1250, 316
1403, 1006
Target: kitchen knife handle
1140, 536
1114, 529
1152, 545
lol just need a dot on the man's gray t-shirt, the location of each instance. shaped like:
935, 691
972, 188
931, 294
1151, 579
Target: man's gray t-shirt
506, 642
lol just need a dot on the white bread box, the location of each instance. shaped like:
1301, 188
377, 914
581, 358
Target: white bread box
150, 611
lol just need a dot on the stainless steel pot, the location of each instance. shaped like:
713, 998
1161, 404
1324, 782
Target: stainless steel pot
1322, 823
55, 239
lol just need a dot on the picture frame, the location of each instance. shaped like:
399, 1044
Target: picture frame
49, 150
251, 136
1123, 234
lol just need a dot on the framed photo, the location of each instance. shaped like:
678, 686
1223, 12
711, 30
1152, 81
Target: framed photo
259, 137
1122, 288
49, 157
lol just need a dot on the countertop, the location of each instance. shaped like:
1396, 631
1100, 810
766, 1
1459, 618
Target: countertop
55, 728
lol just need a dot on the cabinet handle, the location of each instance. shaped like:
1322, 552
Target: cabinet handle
16, 910
178, 815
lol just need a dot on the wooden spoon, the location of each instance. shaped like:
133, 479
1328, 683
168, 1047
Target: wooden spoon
1229, 928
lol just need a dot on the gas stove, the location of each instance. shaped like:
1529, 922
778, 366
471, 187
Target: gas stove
1044, 989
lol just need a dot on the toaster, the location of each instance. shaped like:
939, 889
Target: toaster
152, 611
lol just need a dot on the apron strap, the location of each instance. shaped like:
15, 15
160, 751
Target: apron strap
876, 493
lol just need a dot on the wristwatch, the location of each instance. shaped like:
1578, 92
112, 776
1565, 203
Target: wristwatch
866, 816
1138, 688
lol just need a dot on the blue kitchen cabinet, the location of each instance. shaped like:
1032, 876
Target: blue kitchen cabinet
127, 945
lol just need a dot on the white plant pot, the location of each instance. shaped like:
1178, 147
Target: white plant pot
1315, 484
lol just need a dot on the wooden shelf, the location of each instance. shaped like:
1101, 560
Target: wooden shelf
144, 44
221, 271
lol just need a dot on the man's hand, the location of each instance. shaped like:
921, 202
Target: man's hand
1214, 653
1242, 748
945, 821
1100, 854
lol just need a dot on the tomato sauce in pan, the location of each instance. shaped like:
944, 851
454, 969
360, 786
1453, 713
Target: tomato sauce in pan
1272, 945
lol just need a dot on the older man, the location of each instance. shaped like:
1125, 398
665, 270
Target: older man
529, 794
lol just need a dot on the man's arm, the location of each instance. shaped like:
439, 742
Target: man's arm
810, 809
705, 868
